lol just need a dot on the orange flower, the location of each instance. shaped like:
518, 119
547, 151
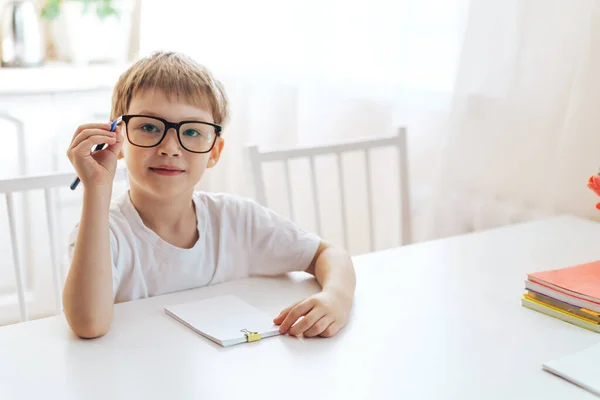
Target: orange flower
594, 184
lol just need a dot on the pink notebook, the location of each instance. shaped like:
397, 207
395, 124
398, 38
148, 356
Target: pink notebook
581, 280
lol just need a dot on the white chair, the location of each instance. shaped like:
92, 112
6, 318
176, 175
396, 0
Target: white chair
258, 157
20, 132
48, 183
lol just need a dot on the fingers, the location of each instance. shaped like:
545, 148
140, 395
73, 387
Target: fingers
320, 326
299, 310
307, 322
92, 132
279, 318
115, 148
118, 145
84, 148
81, 128
331, 330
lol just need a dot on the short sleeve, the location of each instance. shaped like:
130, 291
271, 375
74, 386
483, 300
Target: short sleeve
277, 245
113, 252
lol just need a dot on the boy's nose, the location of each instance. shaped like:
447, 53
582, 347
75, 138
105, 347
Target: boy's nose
170, 144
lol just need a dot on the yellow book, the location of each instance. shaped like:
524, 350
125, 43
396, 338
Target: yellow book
582, 322
570, 308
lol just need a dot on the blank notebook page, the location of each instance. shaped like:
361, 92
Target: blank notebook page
582, 368
223, 318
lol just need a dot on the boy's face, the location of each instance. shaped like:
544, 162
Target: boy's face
167, 169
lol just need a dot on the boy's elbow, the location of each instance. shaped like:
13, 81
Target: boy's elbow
88, 326
90, 330
88, 321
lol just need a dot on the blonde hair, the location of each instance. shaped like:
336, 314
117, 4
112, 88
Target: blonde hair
176, 75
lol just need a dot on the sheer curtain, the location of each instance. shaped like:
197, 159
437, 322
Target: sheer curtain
525, 122
311, 72
500, 98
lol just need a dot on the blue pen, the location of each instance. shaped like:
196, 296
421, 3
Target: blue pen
113, 126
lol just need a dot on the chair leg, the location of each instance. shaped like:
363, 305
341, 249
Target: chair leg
56, 273
406, 209
16, 261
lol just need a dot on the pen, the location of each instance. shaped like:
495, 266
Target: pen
113, 126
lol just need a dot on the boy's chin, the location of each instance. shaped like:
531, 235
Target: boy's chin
165, 186
168, 189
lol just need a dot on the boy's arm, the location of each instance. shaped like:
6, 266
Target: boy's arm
88, 292
327, 312
334, 270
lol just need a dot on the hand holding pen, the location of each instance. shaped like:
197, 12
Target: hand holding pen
93, 152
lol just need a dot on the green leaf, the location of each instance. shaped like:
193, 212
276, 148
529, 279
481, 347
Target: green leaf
51, 10
103, 8
106, 10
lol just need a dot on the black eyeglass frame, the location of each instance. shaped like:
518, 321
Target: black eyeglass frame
175, 125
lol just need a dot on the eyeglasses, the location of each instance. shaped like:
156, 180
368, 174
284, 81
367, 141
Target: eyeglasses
194, 136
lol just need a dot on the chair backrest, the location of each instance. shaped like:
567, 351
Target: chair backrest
49, 184
258, 157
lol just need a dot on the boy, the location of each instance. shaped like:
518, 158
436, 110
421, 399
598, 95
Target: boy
162, 236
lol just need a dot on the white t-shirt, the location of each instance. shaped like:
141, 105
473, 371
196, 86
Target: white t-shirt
238, 238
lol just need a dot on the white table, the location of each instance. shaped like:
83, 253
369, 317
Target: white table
437, 320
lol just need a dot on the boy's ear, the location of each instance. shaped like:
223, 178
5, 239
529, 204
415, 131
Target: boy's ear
215, 154
122, 137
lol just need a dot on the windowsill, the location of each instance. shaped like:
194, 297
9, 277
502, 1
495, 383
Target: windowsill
59, 78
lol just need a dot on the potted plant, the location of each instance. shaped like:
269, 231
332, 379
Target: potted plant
89, 31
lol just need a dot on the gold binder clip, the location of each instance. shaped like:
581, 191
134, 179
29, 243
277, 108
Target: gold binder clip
251, 336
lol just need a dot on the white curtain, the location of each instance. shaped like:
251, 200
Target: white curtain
499, 97
311, 72
524, 127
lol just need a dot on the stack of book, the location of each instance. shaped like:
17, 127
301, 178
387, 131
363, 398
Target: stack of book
571, 294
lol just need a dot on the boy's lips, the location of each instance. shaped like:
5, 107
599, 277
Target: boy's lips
167, 170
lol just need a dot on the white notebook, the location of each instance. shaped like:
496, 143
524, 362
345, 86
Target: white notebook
581, 369
226, 320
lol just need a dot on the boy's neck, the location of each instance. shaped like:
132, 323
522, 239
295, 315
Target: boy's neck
166, 216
